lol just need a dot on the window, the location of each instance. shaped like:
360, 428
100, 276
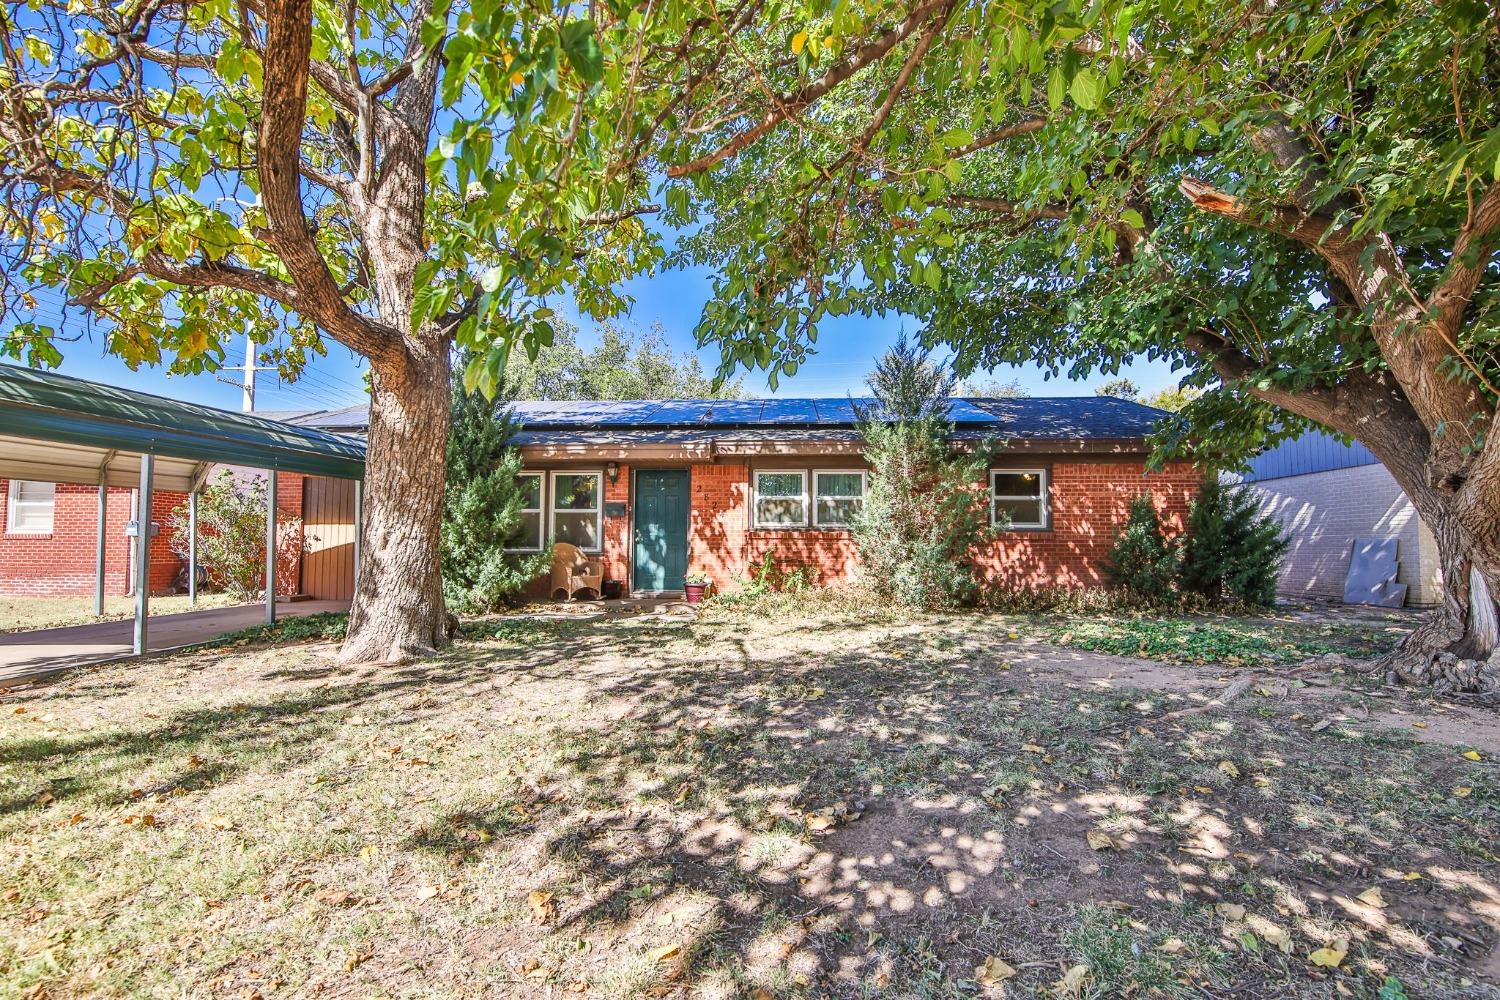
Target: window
30, 508
576, 508
1021, 493
837, 497
780, 499
528, 536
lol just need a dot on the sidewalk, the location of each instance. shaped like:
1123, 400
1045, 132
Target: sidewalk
26, 656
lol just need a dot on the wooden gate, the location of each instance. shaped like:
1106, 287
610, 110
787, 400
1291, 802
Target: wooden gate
328, 529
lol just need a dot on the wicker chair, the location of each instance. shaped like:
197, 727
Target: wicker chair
573, 571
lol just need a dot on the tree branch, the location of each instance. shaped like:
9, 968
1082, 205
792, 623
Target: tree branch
1471, 258
1415, 349
1000, 135
279, 153
789, 104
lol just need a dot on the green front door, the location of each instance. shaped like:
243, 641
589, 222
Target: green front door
661, 525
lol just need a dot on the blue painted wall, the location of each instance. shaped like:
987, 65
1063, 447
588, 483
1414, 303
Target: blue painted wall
1314, 451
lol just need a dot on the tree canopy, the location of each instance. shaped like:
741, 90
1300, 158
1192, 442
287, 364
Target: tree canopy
1297, 204
1073, 185
624, 364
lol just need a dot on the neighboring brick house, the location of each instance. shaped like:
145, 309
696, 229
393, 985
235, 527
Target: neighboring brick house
1326, 494
51, 533
657, 488
48, 549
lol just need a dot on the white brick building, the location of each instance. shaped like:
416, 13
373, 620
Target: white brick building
1327, 494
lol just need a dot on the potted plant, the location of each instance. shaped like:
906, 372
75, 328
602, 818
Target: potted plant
695, 585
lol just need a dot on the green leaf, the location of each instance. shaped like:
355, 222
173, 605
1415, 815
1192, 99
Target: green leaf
1316, 43
955, 138
583, 51
1087, 89
1056, 88
1133, 219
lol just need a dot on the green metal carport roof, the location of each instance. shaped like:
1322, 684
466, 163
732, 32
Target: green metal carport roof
62, 429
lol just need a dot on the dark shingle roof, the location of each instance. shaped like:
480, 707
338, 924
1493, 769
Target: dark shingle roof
1056, 418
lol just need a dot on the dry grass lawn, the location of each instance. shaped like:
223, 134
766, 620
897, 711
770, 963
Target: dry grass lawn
26, 613
789, 805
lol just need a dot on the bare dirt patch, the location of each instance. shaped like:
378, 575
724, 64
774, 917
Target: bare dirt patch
837, 804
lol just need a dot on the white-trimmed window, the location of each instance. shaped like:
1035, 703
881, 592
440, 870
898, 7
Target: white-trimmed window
1021, 494
780, 498
838, 494
29, 508
528, 536
578, 509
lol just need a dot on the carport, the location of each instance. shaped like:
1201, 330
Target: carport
62, 429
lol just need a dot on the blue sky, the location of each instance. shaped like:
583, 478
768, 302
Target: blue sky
846, 349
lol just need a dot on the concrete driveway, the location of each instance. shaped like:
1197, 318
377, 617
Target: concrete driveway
26, 656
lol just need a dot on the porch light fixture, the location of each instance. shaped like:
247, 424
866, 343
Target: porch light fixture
612, 470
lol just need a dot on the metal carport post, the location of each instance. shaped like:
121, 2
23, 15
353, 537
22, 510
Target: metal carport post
143, 555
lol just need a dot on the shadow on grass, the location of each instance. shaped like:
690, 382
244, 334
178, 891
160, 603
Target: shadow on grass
892, 814
241, 733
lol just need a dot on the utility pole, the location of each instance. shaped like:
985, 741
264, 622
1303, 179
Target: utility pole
247, 379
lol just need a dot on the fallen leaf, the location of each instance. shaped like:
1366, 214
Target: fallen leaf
332, 896
1032, 748
1321, 725
221, 822
1227, 766
1172, 946
543, 909
1411, 876
1473, 755
1101, 841
1462, 792
1372, 897
666, 952
1233, 912
994, 970
1328, 958
1419, 725
1071, 984
426, 892
1273, 934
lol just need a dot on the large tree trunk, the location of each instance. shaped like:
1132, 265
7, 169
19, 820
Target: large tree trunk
398, 611
1456, 649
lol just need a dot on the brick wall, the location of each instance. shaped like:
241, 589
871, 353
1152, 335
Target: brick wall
61, 563
1089, 500
1324, 512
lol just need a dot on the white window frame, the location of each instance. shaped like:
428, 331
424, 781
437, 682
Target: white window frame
1044, 498
11, 503
864, 485
598, 512
540, 510
755, 500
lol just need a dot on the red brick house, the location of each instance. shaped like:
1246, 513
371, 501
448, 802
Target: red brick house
658, 488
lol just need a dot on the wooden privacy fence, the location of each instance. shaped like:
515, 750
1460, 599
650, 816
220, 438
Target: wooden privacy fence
328, 527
